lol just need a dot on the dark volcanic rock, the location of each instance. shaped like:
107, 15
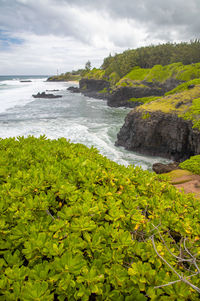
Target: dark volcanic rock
191, 86
160, 168
74, 89
93, 88
50, 79
159, 134
44, 95
55, 90
120, 97
93, 84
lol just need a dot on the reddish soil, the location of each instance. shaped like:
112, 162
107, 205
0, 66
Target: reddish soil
188, 184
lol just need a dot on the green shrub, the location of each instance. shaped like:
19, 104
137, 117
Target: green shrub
146, 115
145, 99
184, 86
68, 76
77, 226
162, 73
193, 113
95, 74
192, 164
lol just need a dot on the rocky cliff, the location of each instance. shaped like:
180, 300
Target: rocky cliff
121, 96
95, 88
159, 134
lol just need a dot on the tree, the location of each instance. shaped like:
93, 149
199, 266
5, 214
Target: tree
88, 66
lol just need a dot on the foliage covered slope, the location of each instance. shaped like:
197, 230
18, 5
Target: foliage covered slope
158, 73
77, 226
185, 104
192, 164
68, 76
116, 67
149, 56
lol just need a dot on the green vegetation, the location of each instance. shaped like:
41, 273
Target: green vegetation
95, 74
146, 115
159, 73
77, 226
192, 164
185, 86
139, 77
68, 76
88, 66
185, 104
179, 176
147, 57
145, 99
193, 113
145, 63
105, 90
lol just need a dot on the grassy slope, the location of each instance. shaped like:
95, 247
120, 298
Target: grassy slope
65, 77
185, 104
162, 73
137, 77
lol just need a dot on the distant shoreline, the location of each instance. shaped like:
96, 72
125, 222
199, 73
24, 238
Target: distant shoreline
73, 81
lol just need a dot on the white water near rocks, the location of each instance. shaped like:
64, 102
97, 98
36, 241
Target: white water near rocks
74, 116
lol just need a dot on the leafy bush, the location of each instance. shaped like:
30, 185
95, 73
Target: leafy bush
145, 99
68, 76
95, 74
184, 86
192, 164
193, 113
77, 226
162, 73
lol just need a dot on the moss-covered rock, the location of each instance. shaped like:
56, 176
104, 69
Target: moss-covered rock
185, 104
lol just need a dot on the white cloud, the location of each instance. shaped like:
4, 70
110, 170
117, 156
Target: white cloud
46, 54
64, 34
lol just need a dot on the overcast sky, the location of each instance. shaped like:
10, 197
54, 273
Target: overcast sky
43, 36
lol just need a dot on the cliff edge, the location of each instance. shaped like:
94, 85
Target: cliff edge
167, 127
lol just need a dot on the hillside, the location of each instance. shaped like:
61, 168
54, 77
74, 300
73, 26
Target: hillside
149, 56
140, 85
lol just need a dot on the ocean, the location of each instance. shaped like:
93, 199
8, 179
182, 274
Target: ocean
77, 118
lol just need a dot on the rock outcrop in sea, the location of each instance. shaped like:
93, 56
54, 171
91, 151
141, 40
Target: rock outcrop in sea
44, 95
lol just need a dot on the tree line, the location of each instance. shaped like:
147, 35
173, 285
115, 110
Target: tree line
147, 57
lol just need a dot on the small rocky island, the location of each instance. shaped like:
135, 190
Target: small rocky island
44, 95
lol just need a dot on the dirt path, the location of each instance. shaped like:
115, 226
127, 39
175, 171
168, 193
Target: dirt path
186, 181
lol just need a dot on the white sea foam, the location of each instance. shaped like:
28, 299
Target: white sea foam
75, 117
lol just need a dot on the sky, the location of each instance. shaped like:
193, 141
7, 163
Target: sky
47, 37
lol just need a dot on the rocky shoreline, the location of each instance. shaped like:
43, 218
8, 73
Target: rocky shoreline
120, 97
159, 134
155, 134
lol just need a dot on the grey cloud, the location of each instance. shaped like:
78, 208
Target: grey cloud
161, 19
155, 15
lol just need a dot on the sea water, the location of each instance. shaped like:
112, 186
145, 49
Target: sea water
77, 118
